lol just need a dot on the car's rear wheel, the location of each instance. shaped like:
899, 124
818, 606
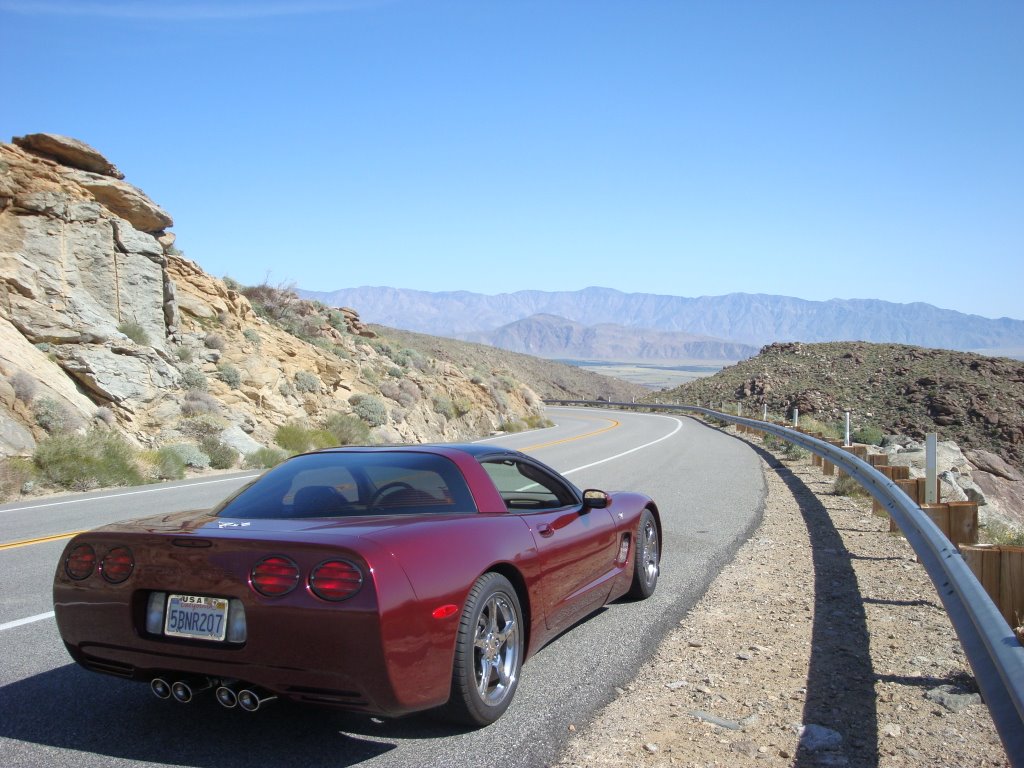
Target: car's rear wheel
488, 652
647, 558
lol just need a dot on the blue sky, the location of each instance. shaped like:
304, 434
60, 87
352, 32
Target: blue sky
811, 149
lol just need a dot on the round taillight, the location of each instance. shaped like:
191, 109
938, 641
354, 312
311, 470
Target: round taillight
117, 565
274, 576
80, 562
335, 580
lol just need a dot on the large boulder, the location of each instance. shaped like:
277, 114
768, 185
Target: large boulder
68, 151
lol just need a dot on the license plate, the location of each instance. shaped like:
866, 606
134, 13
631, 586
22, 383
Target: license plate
200, 618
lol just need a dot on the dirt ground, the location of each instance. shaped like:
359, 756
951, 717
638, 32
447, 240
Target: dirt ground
822, 644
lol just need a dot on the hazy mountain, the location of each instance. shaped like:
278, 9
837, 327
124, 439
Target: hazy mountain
553, 336
755, 319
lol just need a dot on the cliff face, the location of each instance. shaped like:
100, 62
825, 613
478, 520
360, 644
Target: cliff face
99, 310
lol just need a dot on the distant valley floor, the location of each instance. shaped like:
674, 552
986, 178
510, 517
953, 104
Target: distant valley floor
660, 374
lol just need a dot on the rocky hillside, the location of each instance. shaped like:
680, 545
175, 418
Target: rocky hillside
104, 322
556, 337
974, 400
548, 378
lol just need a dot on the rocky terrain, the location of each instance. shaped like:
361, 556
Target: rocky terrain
105, 323
822, 644
548, 378
975, 401
754, 319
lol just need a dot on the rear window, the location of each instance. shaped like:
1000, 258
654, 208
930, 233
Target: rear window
341, 484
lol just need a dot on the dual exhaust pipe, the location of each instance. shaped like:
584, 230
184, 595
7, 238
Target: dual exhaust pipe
228, 695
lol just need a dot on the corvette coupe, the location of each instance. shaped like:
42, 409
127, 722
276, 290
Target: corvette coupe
383, 580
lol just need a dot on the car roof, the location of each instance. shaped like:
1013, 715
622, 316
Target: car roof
476, 450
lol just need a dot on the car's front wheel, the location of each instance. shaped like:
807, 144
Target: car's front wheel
647, 558
488, 652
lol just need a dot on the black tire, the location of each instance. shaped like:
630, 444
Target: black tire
488, 653
646, 558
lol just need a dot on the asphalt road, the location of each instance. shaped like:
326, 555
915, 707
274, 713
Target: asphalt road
708, 487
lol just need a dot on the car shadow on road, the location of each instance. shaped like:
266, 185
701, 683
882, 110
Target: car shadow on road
840, 679
73, 709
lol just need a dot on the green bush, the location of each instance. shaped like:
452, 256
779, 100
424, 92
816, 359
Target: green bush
253, 337
201, 425
512, 426
50, 415
80, 462
867, 434
294, 437
191, 454
537, 421
184, 354
347, 429
134, 331
794, 451
828, 429
168, 464
444, 406
370, 409
15, 472
222, 455
193, 378
229, 375
307, 382
847, 486
264, 458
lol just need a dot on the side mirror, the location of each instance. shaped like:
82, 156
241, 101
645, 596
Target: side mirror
595, 499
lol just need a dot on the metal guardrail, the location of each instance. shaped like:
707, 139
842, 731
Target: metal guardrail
991, 647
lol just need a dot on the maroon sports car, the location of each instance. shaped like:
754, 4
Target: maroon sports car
382, 580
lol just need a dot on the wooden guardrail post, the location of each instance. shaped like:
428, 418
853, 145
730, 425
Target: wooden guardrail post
1000, 569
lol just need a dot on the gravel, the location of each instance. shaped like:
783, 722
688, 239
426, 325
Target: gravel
822, 644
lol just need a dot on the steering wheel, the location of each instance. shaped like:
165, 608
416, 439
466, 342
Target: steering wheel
396, 485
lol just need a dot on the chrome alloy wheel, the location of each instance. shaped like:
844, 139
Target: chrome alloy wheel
496, 650
650, 555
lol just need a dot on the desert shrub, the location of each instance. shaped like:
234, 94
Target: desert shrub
411, 388
197, 401
370, 375
307, 382
167, 463
478, 380
537, 421
253, 337
191, 454
512, 425
504, 383
193, 378
444, 406
51, 415
294, 437
868, 434
370, 409
845, 485
15, 472
215, 341
229, 375
323, 438
828, 429
134, 331
105, 415
184, 354
995, 532
390, 389
201, 425
771, 442
222, 455
24, 387
347, 429
264, 458
793, 451
394, 372
286, 388
462, 405
80, 462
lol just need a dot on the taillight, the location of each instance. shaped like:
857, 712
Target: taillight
117, 565
274, 576
80, 562
335, 580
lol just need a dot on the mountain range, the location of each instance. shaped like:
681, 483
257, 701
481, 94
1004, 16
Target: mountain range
737, 318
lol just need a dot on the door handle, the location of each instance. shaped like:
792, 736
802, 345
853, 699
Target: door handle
545, 530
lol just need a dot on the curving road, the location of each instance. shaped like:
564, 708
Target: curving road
708, 487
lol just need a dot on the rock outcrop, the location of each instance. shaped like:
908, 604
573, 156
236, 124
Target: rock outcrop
100, 310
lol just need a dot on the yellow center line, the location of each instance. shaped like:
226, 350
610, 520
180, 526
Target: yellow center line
43, 540
612, 425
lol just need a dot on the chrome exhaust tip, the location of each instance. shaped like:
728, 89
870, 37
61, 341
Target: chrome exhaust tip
160, 688
226, 697
184, 691
251, 700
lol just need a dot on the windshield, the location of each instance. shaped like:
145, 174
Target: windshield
345, 483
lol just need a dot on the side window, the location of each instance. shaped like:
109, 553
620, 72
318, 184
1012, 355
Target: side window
525, 487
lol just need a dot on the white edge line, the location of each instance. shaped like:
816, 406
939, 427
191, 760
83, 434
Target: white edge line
29, 620
125, 493
679, 425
